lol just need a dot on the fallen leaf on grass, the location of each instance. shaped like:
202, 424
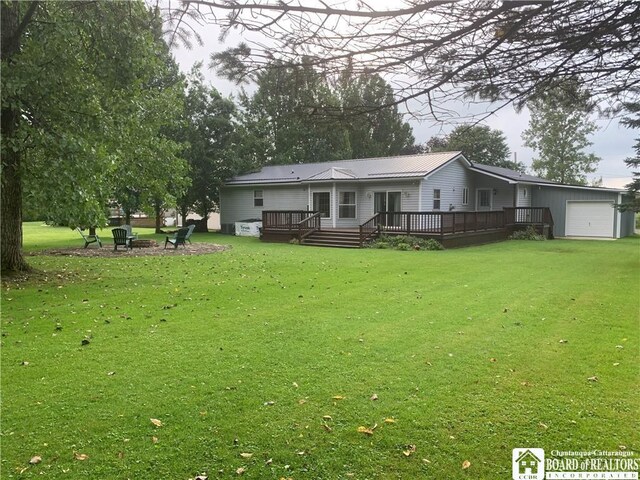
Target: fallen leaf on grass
365, 430
154, 439
35, 460
156, 422
543, 425
493, 360
327, 417
240, 470
466, 464
327, 427
246, 455
374, 397
593, 379
80, 456
269, 403
616, 364
410, 450
269, 462
338, 397
111, 374
389, 420
563, 341
201, 477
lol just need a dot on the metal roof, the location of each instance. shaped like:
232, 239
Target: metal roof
509, 174
404, 166
515, 176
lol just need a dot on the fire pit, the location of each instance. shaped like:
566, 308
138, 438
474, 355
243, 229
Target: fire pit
143, 243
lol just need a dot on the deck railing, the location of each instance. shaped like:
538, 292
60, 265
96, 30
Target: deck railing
440, 223
370, 228
286, 220
528, 216
308, 225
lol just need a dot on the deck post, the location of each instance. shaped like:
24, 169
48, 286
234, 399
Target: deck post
408, 223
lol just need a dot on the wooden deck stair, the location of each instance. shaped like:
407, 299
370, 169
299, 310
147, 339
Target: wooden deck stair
333, 238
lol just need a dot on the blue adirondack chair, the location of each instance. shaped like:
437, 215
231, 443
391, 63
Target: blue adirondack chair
179, 238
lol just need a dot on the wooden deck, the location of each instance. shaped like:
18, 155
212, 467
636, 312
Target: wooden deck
452, 229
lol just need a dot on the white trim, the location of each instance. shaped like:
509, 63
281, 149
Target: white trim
499, 177
332, 202
420, 195
618, 217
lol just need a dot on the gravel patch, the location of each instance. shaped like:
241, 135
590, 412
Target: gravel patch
107, 251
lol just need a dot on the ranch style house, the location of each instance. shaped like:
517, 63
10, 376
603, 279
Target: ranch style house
437, 195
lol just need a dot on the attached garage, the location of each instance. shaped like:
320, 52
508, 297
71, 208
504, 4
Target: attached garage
590, 219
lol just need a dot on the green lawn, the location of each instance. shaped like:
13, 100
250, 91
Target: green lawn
243, 352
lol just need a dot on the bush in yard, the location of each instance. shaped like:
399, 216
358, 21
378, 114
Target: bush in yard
529, 233
405, 243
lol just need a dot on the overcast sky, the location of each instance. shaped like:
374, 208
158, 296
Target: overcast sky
612, 143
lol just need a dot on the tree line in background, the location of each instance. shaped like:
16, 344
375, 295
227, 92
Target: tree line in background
95, 112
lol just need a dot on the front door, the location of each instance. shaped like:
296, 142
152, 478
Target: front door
483, 200
389, 202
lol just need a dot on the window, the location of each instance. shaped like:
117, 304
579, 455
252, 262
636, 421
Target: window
322, 204
436, 199
347, 205
465, 196
258, 201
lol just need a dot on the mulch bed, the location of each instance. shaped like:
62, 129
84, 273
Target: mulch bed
107, 251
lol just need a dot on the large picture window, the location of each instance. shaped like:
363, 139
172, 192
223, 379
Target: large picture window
322, 204
347, 205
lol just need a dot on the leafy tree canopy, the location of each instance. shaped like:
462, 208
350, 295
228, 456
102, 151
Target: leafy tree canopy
479, 143
84, 102
559, 130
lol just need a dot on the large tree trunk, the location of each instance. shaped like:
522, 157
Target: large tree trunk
158, 212
11, 197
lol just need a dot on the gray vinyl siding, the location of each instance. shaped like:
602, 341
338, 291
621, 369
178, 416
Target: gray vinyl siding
236, 203
556, 199
502, 192
409, 200
450, 180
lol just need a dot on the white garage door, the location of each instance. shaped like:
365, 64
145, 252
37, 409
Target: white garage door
589, 219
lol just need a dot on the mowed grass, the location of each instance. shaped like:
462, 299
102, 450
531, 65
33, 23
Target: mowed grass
245, 352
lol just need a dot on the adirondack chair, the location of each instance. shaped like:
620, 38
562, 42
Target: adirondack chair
128, 228
179, 238
89, 238
191, 227
121, 238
